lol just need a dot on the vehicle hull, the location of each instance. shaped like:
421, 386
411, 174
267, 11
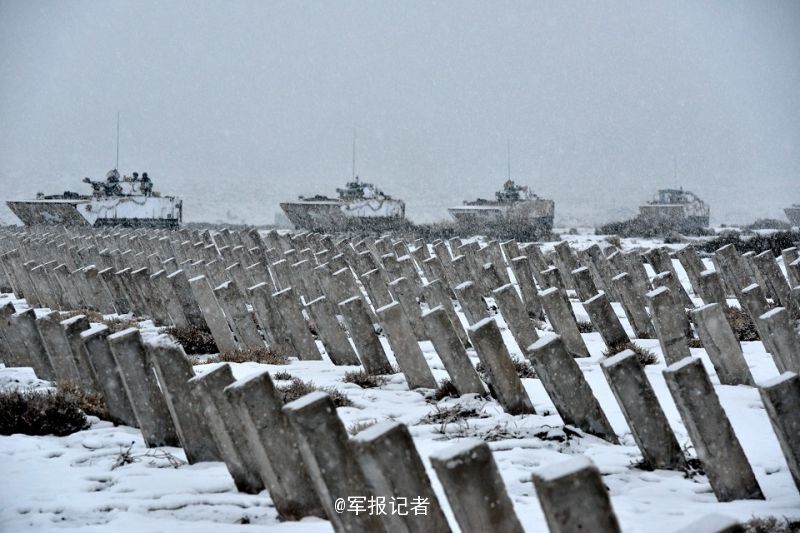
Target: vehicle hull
133, 211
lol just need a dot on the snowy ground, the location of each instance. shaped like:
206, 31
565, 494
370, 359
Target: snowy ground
68, 482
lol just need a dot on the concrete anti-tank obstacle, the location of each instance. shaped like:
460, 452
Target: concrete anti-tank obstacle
365, 340
781, 397
693, 266
559, 312
492, 351
451, 351
331, 333
142, 388
661, 262
574, 498
564, 383
515, 316
584, 284
670, 324
393, 468
260, 408
174, 370
633, 304
95, 341
271, 321
783, 338
25, 323
405, 347
57, 346
474, 488
437, 294
712, 435
472, 304
238, 316
711, 288
189, 304
212, 314
642, 412
731, 269
606, 321
288, 306
527, 287
779, 286
333, 467
721, 345
406, 292
73, 328
755, 304
244, 462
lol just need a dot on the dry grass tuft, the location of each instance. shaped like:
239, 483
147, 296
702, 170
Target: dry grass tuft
283, 375
299, 388
446, 389
114, 324
358, 427
193, 340
449, 415
645, 356
524, 370
250, 354
40, 413
363, 380
585, 327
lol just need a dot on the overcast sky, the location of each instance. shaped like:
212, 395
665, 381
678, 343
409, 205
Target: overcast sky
238, 105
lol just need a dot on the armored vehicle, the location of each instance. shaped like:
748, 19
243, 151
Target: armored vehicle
515, 211
793, 214
671, 211
676, 206
119, 200
360, 206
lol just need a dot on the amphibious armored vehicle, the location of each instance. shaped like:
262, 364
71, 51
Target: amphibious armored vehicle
515, 212
360, 206
793, 214
676, 206
119, 200
672, 210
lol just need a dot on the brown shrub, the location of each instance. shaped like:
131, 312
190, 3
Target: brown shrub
40, 413
742, 324
363, 380
283, 375
254, 354
93, 404
299, 388
585, 327
645, 356
771, 524
193, 340
694, 343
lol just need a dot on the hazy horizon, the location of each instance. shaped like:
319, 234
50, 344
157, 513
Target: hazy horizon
237, 106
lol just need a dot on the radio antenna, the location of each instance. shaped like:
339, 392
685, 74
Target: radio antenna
675, 169
116, 165
354, 154
508, 157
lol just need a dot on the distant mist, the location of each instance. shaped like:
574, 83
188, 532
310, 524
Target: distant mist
238, 105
